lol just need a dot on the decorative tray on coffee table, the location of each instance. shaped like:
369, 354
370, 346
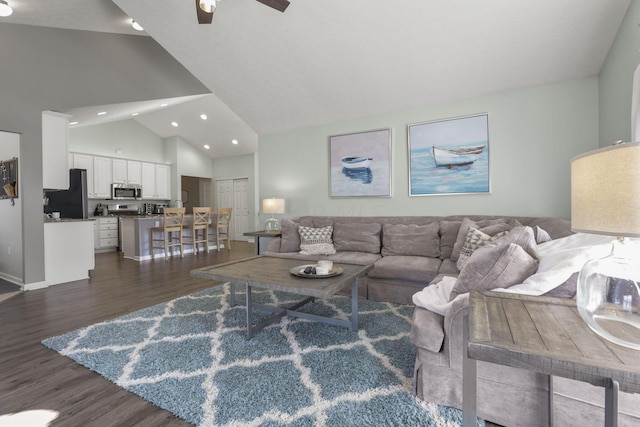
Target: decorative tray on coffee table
299, 271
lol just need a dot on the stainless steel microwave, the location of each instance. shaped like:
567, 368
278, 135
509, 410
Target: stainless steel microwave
126, 192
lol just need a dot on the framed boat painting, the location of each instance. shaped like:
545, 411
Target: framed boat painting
360, 164
449, 156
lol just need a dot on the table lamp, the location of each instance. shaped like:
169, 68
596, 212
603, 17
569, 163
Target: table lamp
272, 206
605, 199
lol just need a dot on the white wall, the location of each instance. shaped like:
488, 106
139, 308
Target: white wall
11, 237
129, 137
534, 133
616, 80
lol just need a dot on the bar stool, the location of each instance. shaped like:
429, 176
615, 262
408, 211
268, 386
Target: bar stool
173, 221
199, 228
223, 227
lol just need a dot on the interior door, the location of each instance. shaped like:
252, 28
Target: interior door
240, 207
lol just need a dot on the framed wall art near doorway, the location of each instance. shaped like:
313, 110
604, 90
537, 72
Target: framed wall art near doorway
360, 164
449, 156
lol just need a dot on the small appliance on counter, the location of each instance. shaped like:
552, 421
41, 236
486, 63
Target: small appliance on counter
159, 208
101, 210
148, 209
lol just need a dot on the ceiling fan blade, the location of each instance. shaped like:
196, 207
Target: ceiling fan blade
203, 17
280, 5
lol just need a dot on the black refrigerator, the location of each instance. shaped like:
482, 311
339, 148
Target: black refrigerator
71, 203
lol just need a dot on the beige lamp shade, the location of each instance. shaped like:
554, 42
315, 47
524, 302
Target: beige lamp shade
273, 206
605, 191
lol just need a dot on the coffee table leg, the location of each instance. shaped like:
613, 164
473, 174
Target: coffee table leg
354, 305
233, 294
611, 402
248, 305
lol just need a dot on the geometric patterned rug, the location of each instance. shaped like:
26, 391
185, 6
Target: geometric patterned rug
190, 357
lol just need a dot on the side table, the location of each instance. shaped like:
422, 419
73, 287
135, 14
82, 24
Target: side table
545, 335
262, 233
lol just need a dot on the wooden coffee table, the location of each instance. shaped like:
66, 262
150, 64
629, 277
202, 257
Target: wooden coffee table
273, 273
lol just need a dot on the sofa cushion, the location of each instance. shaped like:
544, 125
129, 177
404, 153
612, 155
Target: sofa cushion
414, 268
493, 267
411, 240
475, 239
354, 237
316, 241
448, 235
290, 240
488, 226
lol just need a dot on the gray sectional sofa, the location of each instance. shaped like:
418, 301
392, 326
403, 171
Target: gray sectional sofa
411, 252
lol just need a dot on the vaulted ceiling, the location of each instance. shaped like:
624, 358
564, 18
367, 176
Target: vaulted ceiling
330, 60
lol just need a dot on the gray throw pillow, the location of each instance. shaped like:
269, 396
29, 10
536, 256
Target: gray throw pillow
521, 236
411, 240
354, 237
448, 235
488, 226
475, 240
290, 240
316, 241
493, 267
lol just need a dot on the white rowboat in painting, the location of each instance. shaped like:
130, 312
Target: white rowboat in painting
450, 157
356, 162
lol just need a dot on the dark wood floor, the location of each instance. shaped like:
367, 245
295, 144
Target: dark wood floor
34, 377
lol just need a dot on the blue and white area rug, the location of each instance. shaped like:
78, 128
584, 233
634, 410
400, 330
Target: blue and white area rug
190, 357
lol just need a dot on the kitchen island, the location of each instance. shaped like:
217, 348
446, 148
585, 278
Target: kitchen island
68, 250
136, 237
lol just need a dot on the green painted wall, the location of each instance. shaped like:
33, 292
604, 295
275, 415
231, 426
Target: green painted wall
534, 133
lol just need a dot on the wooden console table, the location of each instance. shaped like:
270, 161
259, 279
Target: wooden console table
545, 335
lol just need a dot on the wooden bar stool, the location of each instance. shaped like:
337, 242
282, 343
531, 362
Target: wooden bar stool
173, 221
199, 228
223, 227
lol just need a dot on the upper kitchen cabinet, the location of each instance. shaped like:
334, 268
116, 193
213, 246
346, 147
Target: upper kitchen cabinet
126, 171
98, 174
156, 181
55, 136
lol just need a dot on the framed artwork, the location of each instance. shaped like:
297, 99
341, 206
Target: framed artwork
449, 156
9, 179
360, 164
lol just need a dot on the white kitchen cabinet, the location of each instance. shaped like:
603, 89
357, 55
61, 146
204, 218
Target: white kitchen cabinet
155, 181
55, 137
134, 172
107, 229
85, 161
101, 177
119, 167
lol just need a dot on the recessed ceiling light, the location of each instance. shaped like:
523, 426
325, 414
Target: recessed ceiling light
206, 146
73, 123
163, 105
174, 124
234, 142
203, 116
136, 26
102, 113
134, 114
5, 9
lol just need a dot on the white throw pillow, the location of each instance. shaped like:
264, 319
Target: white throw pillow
316, 241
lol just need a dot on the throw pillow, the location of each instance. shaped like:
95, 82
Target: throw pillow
489, 226
521, 236
355, 237
290, 240
316, 241
411, 240
475, 239
541, 235
493, 267
448, 234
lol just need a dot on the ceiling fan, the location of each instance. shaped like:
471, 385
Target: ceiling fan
205, 8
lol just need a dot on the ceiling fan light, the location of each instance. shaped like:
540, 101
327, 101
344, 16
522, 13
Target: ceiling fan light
208, 6
5, 9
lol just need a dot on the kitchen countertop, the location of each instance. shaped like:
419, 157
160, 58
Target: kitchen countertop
61, 220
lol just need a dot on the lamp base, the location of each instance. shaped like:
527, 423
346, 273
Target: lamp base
608, 295
272, 224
